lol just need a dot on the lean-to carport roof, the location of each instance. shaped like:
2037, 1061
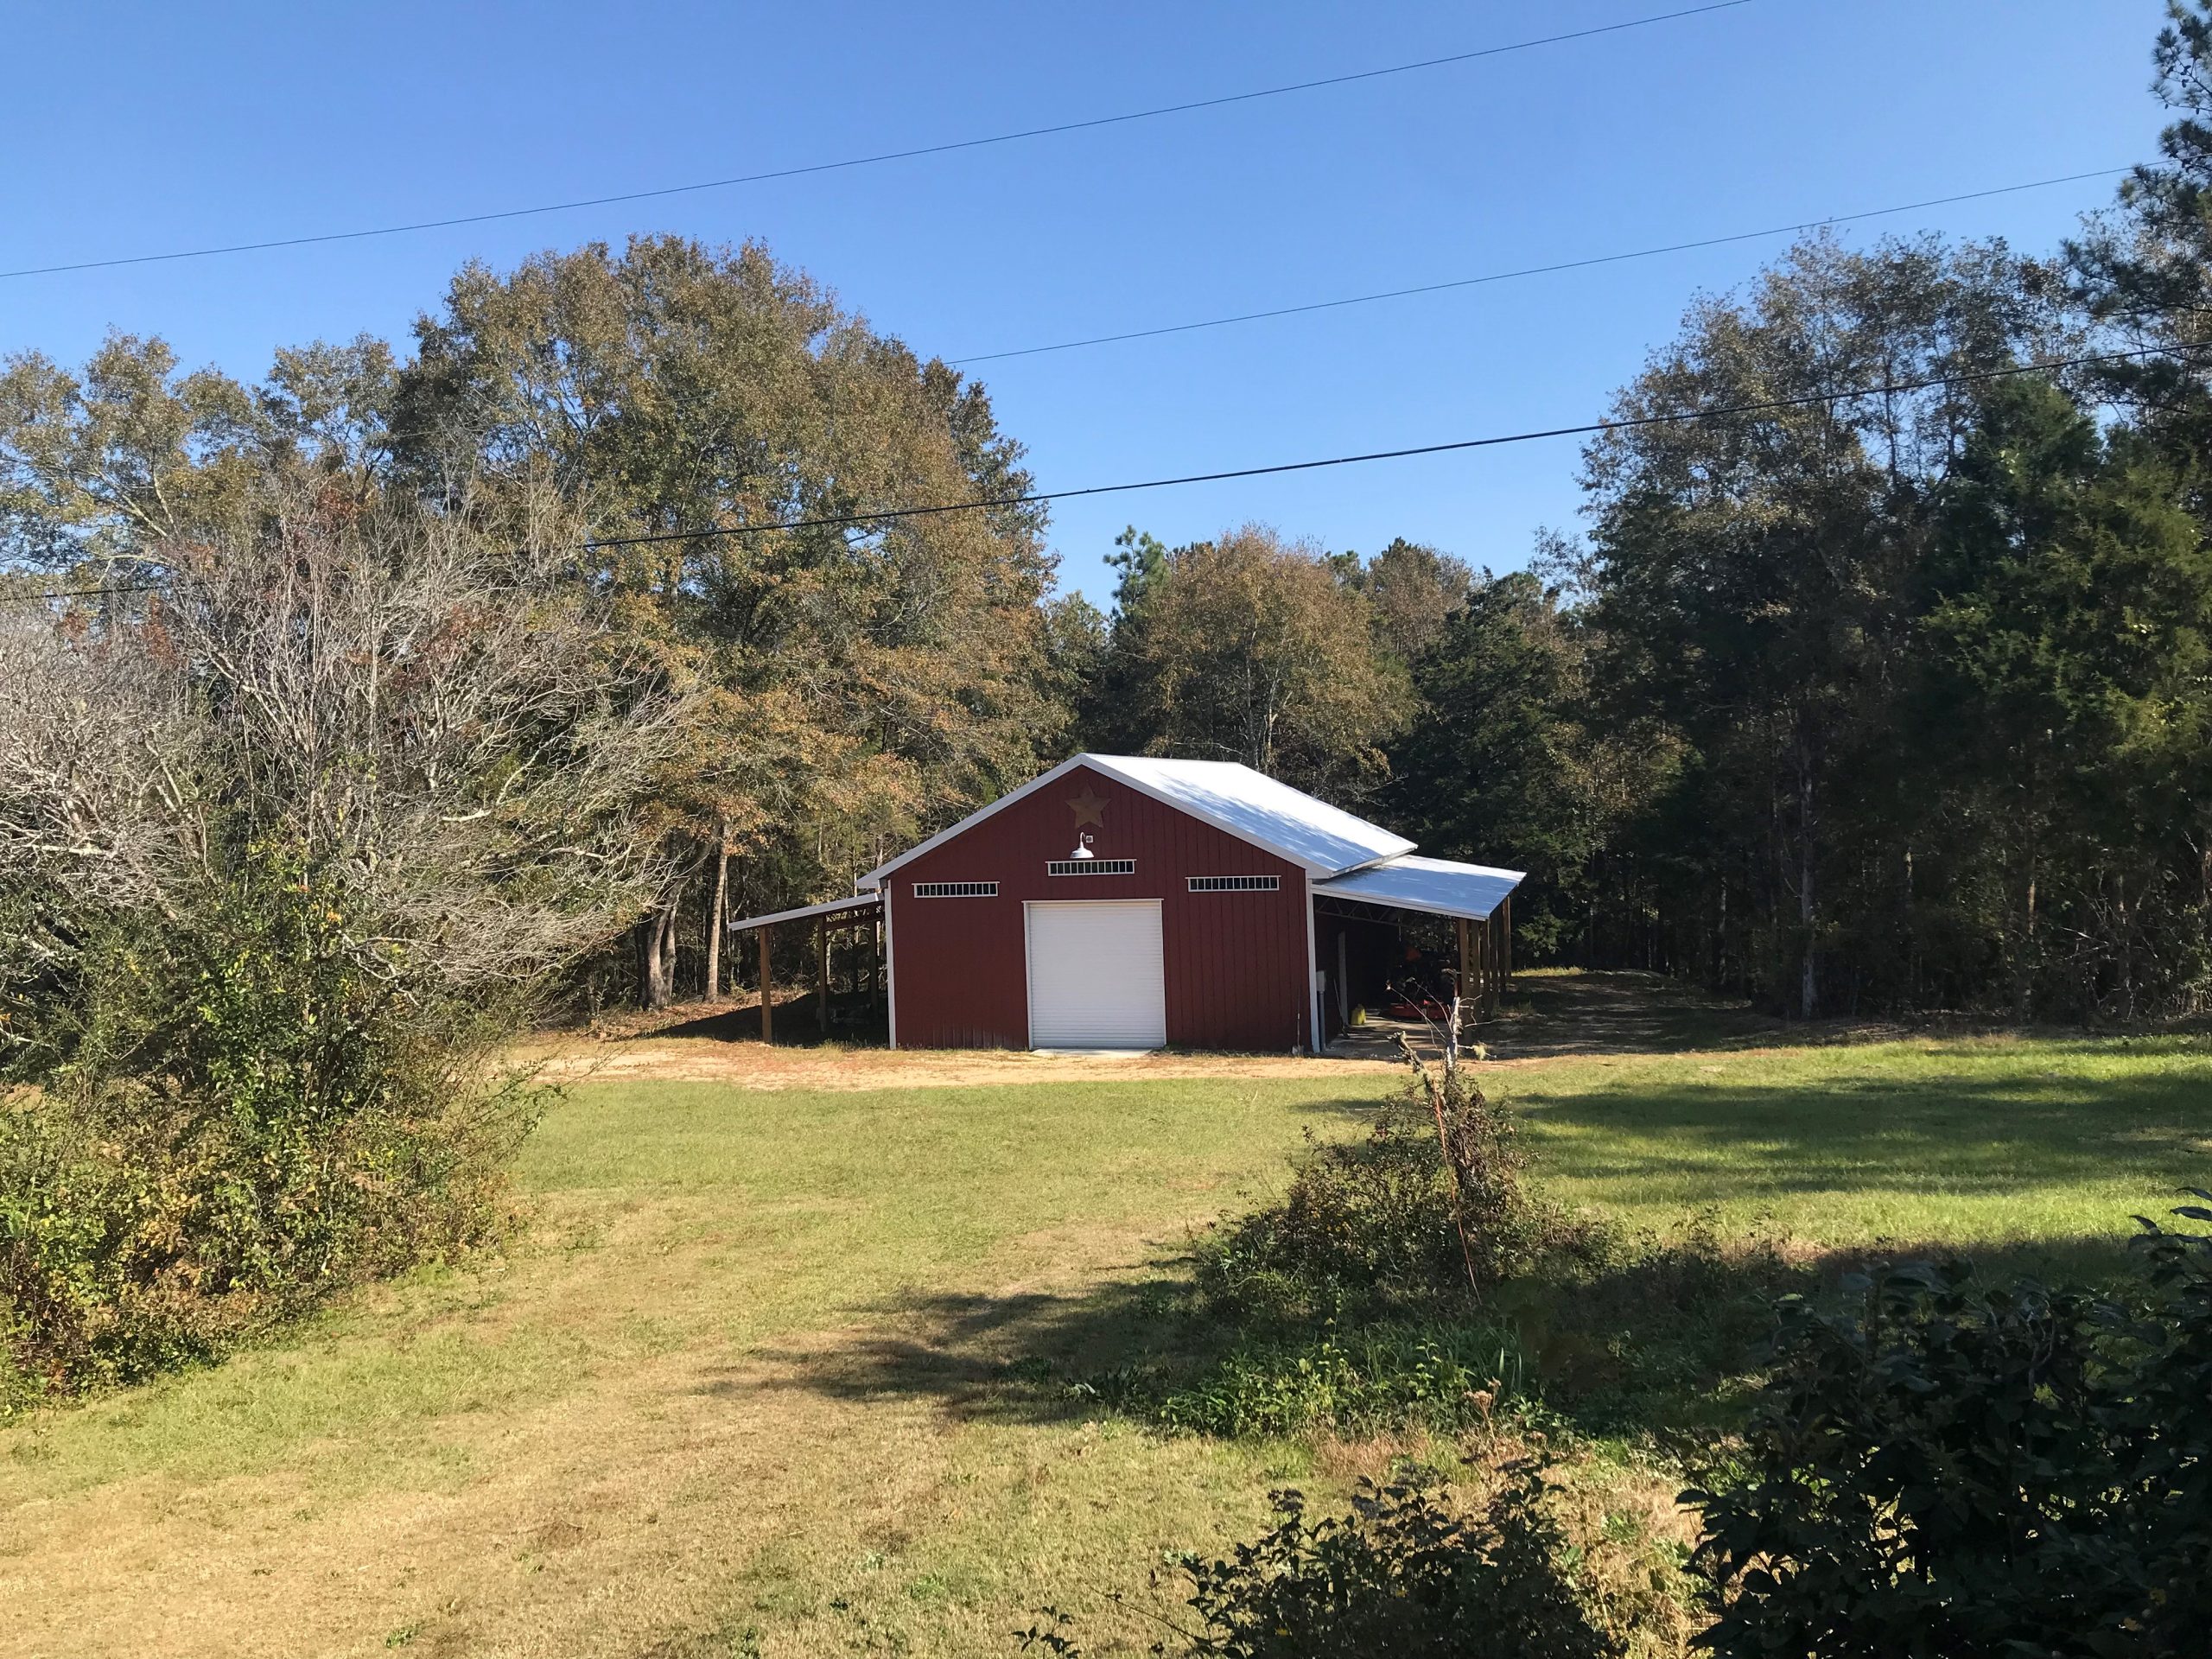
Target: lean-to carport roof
1323, 839
1436, 885
834, 907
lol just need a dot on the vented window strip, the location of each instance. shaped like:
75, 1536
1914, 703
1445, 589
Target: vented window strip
1236, 883
1091, 867
956, 889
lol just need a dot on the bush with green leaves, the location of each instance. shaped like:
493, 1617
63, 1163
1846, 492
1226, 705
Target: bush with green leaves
251, 1113
1356, 1306
1433, 1374
1390, 1220
1404, 1573
1977, 1472
286, 842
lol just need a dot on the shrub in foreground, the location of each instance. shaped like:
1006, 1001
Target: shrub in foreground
283, 841
1356, 1305
252, 1115
1977, 1472
1390, 1221
1404, 1573
1433, 1374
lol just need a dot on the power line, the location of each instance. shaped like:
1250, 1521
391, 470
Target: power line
1587, 429
1532, 271
917, 152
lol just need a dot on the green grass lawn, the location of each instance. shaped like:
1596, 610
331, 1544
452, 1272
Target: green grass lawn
1985, 1144
741, 1385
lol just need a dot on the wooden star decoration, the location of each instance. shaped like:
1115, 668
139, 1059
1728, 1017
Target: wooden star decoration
1088, 808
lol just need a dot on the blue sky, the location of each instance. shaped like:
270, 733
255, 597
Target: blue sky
136, 128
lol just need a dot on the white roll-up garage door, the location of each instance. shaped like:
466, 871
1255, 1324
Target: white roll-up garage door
1095, 975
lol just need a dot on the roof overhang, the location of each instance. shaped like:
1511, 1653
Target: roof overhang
834, 907
1435, 887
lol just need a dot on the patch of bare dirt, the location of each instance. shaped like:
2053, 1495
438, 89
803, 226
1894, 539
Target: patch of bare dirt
1547, 1016
750, 1064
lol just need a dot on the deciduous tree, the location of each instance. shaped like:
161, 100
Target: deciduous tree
860, 681
1251, 648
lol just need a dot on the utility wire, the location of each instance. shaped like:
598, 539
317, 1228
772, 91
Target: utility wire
1532, 271
1672, 417
918, 151
1767, 406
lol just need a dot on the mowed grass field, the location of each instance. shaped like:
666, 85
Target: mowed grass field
746, 1383
1986, 1145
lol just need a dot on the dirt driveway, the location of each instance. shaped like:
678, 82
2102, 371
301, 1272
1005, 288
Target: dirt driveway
1548, 1015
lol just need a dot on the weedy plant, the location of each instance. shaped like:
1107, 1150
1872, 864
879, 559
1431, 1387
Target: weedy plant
1415, 1276
1430, 1209
1439, 1375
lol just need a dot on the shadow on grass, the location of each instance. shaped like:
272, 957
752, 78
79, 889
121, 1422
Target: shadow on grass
1950, 1132
1631, 1336
1005, 1357
1595, 1013
1663, 1343
798, 1025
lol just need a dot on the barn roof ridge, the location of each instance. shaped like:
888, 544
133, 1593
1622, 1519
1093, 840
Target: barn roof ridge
1325, 841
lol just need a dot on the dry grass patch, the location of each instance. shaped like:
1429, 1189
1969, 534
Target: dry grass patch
723, 1399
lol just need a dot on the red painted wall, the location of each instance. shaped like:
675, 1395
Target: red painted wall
1235, 962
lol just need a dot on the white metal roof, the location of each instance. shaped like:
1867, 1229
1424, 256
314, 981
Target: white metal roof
835, 906
1323, 840
1231, 796
1437, 885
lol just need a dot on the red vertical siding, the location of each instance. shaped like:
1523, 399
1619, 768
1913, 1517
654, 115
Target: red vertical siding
1235, 962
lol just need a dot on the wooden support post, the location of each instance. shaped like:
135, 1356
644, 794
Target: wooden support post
768, 991
716, 917
822, 974
1465, 990
1505, 945
1481, 930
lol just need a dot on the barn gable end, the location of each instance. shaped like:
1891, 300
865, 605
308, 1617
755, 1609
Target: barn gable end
1234, 954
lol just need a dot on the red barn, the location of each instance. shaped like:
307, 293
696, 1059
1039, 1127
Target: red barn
1135, 902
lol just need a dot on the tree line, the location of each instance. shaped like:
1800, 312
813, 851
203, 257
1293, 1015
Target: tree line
1878, 677
1843, 699
1899, 699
